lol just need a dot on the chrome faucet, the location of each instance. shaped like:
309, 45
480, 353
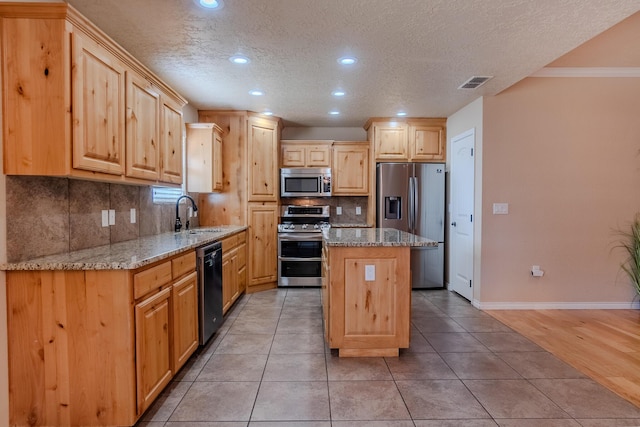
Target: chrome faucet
178, 226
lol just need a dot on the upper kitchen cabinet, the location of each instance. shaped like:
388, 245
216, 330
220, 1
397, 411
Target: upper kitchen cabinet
408, 140
76, 104
204, 158
263, 136
299, 154
350, 174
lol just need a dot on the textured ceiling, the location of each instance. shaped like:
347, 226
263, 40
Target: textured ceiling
412, 54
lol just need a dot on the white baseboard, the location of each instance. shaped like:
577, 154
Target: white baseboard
556, 305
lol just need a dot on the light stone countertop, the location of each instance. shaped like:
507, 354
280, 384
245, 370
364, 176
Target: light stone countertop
128, 255
364, 237
350, 225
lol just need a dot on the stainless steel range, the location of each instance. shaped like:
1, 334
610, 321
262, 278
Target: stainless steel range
300, 245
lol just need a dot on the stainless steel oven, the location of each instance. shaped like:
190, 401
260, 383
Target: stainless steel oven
300, 245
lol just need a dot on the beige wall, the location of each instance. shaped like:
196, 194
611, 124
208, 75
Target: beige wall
564, 153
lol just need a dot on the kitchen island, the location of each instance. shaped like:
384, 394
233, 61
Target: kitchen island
366, 289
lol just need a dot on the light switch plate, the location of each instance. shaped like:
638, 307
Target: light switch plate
369, 273
358, 210
105, 218
112, 217
501, 208
133, 215
339, 210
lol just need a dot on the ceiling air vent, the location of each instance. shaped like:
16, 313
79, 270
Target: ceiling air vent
474, 82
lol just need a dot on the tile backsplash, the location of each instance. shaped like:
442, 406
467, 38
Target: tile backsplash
48, 215
347, 203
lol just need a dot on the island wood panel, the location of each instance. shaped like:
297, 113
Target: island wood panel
229, 206
369, 317
58, 355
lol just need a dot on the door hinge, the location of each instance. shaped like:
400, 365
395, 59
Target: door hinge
471, 218
469, 282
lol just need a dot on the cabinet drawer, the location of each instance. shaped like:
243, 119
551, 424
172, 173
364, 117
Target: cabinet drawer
152, 278
183, 264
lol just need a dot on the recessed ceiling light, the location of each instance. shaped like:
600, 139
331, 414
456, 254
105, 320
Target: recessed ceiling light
347, 60
338, 93
401, 113
334, 112
239, 59
211, 4
256, 92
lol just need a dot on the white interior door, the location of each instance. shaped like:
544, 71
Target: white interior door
461, 227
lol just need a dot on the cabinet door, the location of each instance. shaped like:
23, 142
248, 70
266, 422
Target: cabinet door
218, 178
153, 347
350, 173
263, 160
204, 157
171, 143
143, 128
318, 156
185, 319
427, 142
263, 244
228, 279
293, 156
390, 141
242, 270
98, 81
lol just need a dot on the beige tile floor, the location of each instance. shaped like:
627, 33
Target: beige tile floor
268, 366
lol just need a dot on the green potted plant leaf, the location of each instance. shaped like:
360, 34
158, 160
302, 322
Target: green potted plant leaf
630, 242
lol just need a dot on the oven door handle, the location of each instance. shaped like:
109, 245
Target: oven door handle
300, 236
285, 258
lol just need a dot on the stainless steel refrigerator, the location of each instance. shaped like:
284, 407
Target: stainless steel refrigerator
410, 197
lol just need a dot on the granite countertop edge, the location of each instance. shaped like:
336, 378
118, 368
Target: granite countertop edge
374, 237
128, 255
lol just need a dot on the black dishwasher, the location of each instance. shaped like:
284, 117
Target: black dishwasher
210, 289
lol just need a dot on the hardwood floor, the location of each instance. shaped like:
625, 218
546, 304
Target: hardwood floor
602, 344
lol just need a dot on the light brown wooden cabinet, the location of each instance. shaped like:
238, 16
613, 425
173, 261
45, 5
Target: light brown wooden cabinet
408, 140
262, 139
350, 173
126, 332
263, 244
98, 82
204, 158
234, 268
89, 102
299, 153
251, 196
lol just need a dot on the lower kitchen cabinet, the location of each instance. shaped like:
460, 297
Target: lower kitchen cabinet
96, 347
234, 269
263, 246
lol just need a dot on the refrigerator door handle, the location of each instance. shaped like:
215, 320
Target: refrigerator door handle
412, 204
415, 205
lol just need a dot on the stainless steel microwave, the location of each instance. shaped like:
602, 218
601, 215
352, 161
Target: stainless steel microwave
305, 182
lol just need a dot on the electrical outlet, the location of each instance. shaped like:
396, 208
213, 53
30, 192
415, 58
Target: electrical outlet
501, 208
339, 210
105, 218
358, 210
112, 217
369, 273
133, 215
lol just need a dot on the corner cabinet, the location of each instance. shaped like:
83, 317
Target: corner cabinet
76, 103
126, 332
350, 174
204, 158
408, 140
